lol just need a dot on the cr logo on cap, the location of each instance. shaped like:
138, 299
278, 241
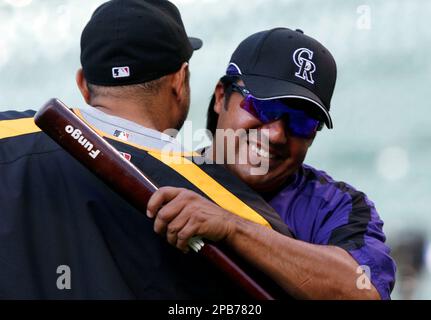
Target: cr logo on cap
302, 58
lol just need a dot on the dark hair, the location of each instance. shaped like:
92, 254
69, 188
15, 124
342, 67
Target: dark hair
146, 88
139, 90
212, 116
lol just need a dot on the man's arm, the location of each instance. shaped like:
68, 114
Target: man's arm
306, 271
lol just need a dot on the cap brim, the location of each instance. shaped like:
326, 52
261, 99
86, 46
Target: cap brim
196, 43
269, 88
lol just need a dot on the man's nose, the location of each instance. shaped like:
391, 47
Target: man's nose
276, 132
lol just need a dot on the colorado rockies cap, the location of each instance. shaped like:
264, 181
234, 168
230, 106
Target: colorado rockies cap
134, 41
282, 63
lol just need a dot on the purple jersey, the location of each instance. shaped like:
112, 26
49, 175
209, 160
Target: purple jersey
320, 210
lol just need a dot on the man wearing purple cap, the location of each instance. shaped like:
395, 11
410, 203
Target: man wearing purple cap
280, 83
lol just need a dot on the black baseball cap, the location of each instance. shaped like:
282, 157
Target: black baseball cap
282, 63
134, 41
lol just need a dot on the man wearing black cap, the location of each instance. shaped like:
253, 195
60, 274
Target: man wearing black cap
134, 57
280, 83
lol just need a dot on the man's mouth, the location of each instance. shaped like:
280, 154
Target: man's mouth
261, 151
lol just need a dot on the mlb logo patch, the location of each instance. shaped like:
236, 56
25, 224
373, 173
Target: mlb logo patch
126, 156
121, 72
122, 135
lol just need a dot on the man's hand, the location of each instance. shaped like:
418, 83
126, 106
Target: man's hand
181, 214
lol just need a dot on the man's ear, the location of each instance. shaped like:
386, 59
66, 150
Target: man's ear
83, 86
219, 96
180, 80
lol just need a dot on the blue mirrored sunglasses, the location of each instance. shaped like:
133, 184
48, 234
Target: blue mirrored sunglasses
298, 124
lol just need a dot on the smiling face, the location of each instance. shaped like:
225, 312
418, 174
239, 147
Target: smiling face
284, 153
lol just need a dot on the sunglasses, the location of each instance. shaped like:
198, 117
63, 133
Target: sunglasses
298, 124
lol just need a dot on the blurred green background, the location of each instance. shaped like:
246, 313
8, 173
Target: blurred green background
380, 141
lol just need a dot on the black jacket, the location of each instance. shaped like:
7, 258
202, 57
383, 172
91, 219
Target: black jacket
54, 212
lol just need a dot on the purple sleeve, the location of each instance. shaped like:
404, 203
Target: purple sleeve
375, 255
352, 223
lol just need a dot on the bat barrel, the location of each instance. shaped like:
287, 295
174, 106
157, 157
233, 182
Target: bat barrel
89, 148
